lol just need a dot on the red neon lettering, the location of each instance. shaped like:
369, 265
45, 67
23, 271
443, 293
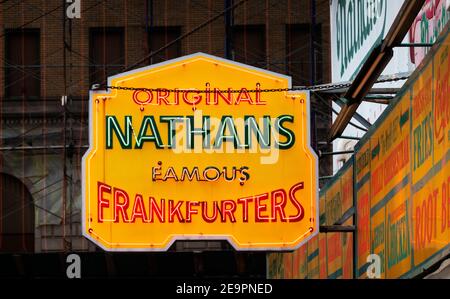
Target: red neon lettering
175, 210
258, 100
102, 202
138, 209
228, 99
205, 212
301, 212
146, 99
189, 210
244, 96
278, 207
245, 201
120, 207
260, 207
154, 209
162, 95
197, 97
228, 209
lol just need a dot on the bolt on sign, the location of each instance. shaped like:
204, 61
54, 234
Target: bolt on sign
201, 150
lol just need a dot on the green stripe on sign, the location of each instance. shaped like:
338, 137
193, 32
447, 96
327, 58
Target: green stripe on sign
404, 118
314, 254
376, 151
322, 219
336, 274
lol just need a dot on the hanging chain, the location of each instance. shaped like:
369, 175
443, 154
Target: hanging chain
298, 88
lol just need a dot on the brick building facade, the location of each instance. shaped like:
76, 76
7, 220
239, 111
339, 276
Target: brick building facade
44, 55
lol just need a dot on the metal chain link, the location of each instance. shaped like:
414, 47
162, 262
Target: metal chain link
298, 88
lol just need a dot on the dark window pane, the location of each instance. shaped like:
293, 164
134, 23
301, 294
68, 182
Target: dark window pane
249, 45
16, 216
106, 55
22, 63
298, 54
158, 37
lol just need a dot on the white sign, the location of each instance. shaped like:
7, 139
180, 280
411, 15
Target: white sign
357, 26
427, 26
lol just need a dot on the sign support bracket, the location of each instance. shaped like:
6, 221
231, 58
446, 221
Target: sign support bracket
337, 228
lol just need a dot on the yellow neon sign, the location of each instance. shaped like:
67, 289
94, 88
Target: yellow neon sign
201, 153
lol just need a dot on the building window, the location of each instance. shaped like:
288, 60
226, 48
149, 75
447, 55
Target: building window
106, 53
16, 216
298, 54
249, 45
22, 63
158, 37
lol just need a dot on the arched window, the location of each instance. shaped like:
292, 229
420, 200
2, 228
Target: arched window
16, 216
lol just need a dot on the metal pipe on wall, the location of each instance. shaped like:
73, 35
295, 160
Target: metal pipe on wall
312, 42
228, 24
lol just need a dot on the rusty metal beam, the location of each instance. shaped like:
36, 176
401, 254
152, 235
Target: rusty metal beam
336, 228
374, 65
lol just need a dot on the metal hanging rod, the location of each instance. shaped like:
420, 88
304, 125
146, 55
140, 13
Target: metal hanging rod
337, 228
334, 153
407, 45
40, 147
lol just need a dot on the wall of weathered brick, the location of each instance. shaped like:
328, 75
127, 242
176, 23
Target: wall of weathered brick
132, 15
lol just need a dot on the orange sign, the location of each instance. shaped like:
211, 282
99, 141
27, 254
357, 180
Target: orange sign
203, 152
